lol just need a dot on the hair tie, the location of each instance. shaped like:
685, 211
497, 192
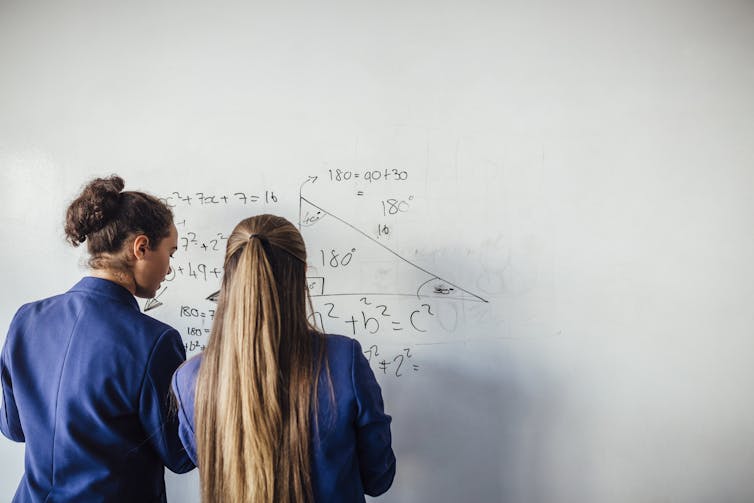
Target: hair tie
265, 241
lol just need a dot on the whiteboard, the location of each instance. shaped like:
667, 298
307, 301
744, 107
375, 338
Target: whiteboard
535, 216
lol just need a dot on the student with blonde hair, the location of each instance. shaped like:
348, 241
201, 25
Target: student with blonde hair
274, 410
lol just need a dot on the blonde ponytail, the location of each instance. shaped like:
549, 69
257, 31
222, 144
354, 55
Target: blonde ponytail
259, 372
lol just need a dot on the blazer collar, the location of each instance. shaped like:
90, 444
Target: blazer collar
105, 288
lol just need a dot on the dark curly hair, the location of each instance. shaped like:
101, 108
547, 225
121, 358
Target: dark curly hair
105, 217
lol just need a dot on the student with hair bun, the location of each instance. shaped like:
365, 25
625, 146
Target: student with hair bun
86, 375
274, 410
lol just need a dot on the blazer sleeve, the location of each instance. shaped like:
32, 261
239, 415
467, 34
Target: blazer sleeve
185, 417
156, 408
374, 443
10, 422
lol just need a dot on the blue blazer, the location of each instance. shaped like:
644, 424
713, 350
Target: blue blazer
86, 380
352, 455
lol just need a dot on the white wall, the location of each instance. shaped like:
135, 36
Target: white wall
584, 167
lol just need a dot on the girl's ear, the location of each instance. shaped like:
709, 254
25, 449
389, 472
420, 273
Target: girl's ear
140, 246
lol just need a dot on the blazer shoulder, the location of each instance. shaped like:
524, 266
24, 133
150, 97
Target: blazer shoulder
337, 342
154, 325
29, 308
28, 311
342, 355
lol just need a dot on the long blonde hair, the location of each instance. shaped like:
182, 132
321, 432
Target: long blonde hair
259, 371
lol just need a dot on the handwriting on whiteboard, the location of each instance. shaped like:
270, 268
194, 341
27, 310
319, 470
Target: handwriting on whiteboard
360, 285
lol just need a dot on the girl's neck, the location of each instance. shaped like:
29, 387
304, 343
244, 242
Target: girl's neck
119, 277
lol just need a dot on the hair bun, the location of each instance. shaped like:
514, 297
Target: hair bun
97, 204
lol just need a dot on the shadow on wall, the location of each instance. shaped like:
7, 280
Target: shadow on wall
464, 439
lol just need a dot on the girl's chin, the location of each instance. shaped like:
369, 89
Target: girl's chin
146, 294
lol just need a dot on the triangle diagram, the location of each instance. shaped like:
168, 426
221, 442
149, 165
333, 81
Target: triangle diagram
366, 266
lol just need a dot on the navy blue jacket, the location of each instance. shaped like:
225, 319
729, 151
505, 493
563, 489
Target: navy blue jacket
86, 379
352, 455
